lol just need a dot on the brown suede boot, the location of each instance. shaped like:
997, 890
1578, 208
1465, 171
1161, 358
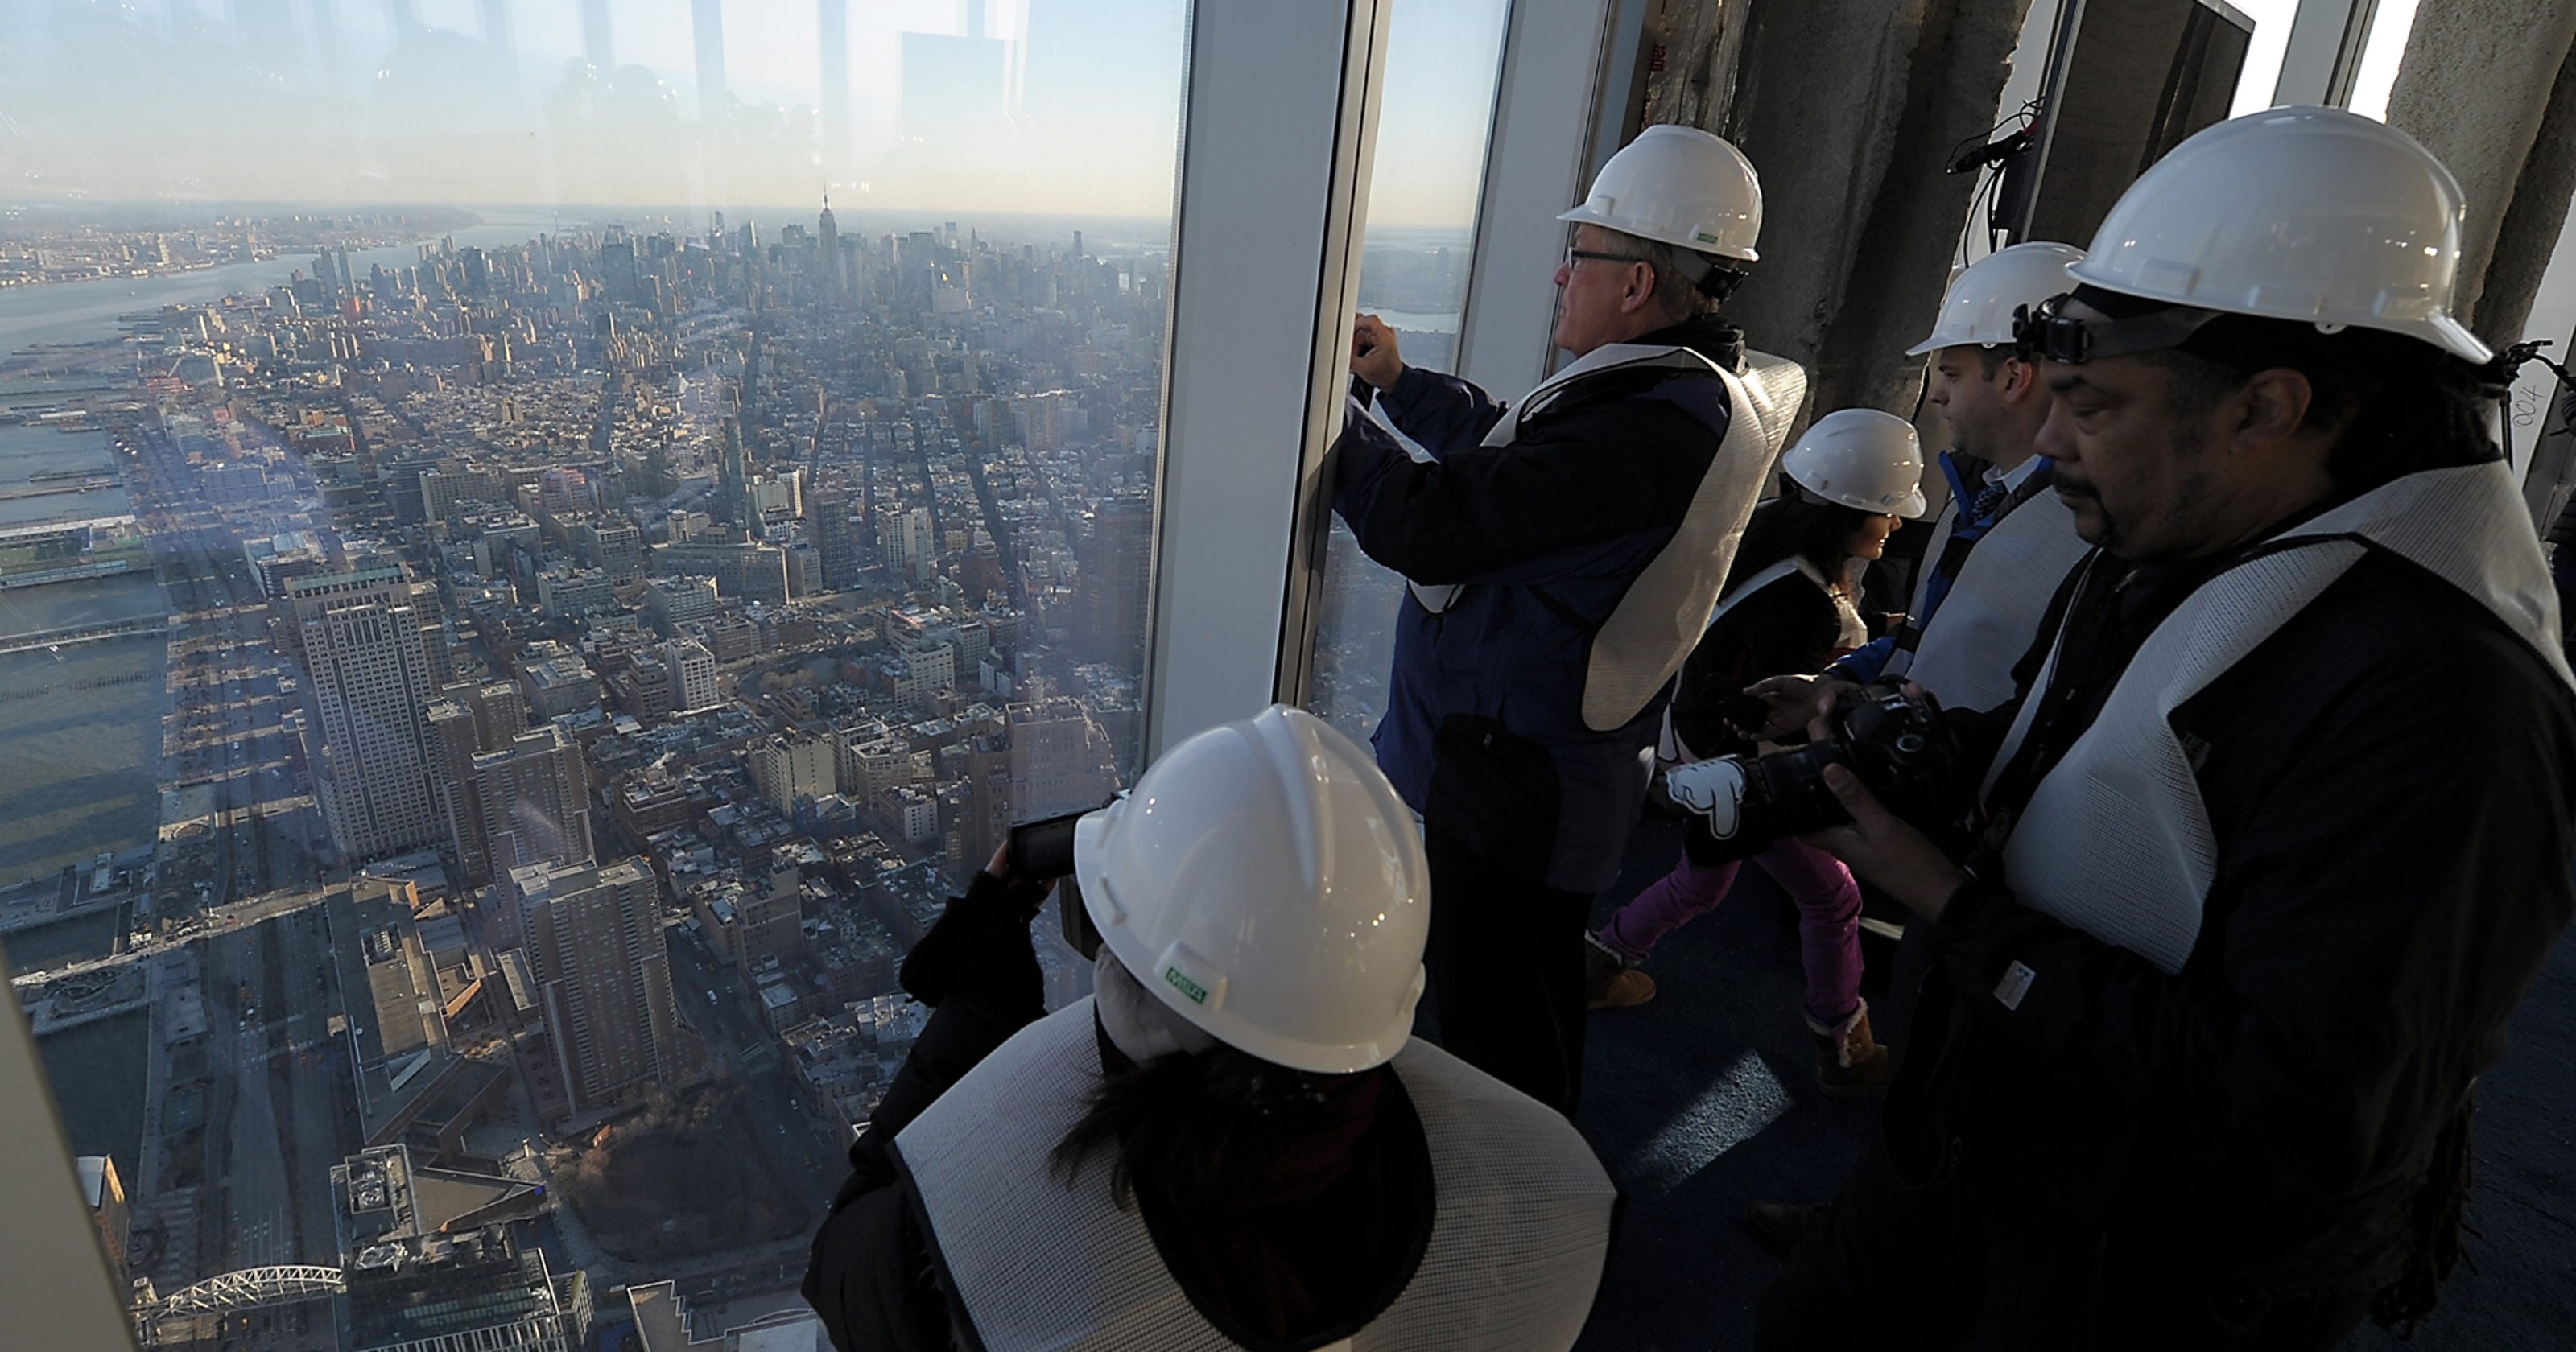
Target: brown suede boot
1849, 1062
1609, 983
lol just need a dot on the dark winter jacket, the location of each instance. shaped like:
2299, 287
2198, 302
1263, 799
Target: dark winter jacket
1484, 730
2387, 779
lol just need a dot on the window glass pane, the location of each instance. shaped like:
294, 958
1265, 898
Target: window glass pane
1443, 59
538, 541
2390, 24
2263, 53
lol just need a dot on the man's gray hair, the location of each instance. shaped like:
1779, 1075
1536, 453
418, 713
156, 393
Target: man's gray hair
1677, 274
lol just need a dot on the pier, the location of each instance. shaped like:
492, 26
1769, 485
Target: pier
93, 632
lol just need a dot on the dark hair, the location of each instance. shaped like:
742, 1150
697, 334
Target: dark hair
1991, 359
2394, 404
1792, 525
1171, 1120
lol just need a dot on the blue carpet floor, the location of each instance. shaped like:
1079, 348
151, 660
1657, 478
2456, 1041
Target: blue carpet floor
1704, 1100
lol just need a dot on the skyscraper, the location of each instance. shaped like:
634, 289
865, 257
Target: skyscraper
603, 973
827, 257
508, 796
359, 639
1115, 558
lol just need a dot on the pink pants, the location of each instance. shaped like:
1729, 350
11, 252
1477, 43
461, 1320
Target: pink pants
1828, 919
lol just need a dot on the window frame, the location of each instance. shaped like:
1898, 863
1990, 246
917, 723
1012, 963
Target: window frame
1278, 138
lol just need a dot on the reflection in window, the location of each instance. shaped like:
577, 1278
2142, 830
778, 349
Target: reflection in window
2264, 53
1442, 63
537, 542
2390, 23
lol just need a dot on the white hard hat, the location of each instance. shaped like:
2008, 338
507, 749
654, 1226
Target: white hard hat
1264, 881
1678, 185
1978, 308
2296, 213
1860, 458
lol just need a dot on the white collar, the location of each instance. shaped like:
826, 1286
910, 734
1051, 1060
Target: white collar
2017, 475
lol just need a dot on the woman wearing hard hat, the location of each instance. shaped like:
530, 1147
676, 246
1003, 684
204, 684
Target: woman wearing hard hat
1236, 1141
1790, 606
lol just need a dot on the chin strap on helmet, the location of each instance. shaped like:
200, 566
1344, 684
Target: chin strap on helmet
1708, 274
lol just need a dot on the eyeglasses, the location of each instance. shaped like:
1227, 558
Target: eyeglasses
1574, 255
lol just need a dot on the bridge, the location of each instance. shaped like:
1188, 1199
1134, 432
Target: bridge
231, 1292
96, 630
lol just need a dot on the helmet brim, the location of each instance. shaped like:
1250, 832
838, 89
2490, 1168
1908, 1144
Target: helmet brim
2438, 329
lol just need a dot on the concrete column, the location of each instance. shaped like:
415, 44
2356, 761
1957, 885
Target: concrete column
2479, 82
2535, 224
1848, 108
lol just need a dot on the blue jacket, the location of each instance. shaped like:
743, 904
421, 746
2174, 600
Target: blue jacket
1483, 732
1867, 661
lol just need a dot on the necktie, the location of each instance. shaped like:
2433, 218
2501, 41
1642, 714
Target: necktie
1988, 501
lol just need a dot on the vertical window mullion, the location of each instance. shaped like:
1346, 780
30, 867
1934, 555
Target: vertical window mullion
1274, 167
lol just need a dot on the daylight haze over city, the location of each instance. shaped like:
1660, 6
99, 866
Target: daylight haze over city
539, 542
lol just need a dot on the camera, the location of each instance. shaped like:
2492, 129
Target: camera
1042, 851
1898, 744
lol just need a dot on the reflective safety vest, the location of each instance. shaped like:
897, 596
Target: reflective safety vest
1965, 654
1520, 1225
2116, 839
1639, 648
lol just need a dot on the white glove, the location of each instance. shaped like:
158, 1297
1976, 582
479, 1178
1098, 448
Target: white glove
1436, 599
1712, 788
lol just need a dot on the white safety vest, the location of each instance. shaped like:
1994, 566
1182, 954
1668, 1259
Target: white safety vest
1520, 1227
1642, 644
1965, 655
1851, 633
2116, 840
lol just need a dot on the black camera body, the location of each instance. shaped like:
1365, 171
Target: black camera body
1043, 851
1898, 744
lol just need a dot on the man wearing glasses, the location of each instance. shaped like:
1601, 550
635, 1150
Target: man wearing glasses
1563, 554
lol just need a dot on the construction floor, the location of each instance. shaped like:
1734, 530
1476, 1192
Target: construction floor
1705, 1100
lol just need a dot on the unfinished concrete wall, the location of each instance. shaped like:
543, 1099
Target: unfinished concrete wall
2479, 82
1698, 46
1848, 108
1962, 57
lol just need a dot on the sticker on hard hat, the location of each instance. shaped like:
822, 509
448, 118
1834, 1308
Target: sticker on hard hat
1703, 237
1197, 993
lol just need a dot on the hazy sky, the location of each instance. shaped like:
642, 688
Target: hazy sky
1052, 106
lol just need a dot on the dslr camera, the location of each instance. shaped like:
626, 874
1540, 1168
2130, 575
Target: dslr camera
1898, 744
1042, 851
